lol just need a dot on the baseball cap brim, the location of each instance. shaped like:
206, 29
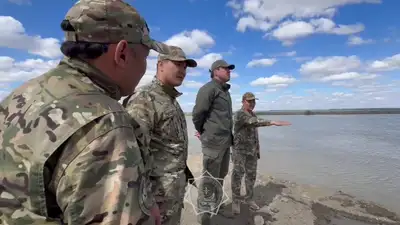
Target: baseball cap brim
156, 45
231, 66
251, 98
191, 63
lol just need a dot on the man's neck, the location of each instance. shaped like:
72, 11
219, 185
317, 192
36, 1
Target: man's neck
163, 80
169, 89
219, 80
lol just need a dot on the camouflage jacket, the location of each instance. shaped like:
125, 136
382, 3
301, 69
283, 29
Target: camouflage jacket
245, 135
68, 152
158, 112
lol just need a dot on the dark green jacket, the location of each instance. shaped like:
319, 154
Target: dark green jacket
212, 115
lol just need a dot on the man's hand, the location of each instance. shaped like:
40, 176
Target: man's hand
155, 212
197, 134
280, 123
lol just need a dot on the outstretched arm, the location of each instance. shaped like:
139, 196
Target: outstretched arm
246, 119
254, 121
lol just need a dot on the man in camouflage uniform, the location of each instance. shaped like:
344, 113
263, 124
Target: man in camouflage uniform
157, 110
68, 152
246, 150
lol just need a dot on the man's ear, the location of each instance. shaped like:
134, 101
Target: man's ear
160, 64
121, 53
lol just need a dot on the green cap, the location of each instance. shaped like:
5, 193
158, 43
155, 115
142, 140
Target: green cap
109, 21
177, 54
249, 96
221, 63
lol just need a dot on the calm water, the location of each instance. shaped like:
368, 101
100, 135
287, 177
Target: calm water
359, 154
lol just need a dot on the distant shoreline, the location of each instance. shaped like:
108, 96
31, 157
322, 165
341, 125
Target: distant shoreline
310, 112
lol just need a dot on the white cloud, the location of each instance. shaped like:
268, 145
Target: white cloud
289, 54
13, 35
347, 71
324, 25
323, 66
275, 81
261, 62
13, 71
192, 84
289, 31
235, 6
348, 76
153, 53
249, 22
387, 64
356, 40
192, 42
277, 10
234, 75
205, 61
291, 15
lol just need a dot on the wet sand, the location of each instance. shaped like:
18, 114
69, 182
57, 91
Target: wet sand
286, 203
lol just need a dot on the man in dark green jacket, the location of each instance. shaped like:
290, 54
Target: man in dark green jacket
212, 118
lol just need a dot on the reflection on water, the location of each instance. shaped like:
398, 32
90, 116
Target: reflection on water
356, 153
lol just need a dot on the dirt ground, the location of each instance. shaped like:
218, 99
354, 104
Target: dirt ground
286, 203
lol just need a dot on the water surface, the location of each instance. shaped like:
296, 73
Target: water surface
359, 154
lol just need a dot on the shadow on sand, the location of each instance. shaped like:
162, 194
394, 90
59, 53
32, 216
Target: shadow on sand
263, 196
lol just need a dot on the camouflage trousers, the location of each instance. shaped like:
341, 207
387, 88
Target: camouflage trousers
243, 166
215, 165
169, 192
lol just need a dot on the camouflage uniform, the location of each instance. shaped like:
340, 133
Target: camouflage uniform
161, 117
69, 154
246, 146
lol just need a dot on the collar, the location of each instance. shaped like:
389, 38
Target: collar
248, 112
222, 86
171, 91
101, 80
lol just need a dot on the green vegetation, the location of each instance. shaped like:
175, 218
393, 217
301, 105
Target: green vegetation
309, 112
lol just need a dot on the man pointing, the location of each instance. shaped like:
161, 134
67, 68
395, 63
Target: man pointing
246, 150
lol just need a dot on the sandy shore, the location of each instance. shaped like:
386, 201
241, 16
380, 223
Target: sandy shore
286, 203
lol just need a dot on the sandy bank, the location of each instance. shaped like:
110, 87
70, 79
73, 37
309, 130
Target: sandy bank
286, 203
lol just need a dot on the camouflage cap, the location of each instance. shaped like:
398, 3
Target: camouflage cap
221, 63
109, 21
177, 54
249, 96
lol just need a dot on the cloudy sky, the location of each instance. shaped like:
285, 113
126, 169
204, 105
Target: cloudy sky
293, 54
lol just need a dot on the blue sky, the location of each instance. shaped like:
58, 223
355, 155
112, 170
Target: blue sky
294, 54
